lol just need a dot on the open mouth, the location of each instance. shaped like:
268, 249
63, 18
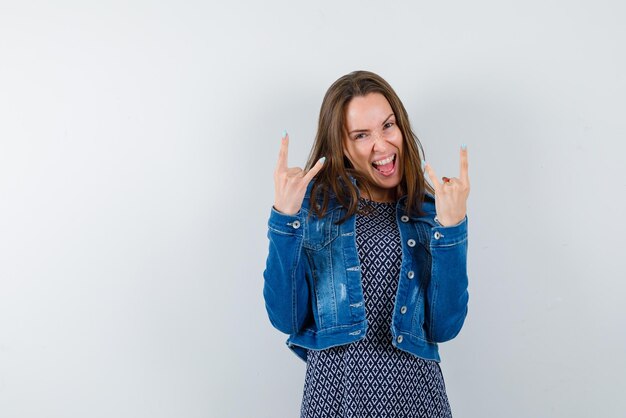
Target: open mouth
385, 166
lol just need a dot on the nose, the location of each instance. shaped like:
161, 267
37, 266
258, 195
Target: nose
380, 144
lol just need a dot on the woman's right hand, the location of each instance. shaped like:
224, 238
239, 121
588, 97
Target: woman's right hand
290, 183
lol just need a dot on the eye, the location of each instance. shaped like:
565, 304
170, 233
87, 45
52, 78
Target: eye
388, 125
359, 136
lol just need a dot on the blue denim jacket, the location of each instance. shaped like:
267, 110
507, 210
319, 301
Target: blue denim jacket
313, 287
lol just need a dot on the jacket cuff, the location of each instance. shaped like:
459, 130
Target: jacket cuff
286, 224
444, 236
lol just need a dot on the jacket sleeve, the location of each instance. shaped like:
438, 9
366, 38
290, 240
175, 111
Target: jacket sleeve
285, 289
447, 291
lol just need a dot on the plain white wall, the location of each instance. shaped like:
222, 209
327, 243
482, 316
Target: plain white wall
137, 145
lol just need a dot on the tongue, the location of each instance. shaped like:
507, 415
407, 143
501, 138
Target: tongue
386, 167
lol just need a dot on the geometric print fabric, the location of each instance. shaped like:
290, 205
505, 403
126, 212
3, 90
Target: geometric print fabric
370, 377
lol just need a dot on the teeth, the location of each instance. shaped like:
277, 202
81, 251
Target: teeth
385, 161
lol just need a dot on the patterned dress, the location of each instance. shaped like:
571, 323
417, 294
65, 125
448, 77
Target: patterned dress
371, 378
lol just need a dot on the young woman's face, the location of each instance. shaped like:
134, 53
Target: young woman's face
374, 143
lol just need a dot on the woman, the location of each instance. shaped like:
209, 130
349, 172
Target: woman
366, 269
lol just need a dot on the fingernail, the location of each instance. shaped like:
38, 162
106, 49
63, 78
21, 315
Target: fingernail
463, 147
284, 133
322, 160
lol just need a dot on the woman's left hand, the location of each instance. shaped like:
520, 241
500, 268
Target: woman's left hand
451, 195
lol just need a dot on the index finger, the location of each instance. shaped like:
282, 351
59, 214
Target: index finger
281, 165
464, 164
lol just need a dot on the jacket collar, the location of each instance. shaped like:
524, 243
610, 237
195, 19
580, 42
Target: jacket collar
428, 206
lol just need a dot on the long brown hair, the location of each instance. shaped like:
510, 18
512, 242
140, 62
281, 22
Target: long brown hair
335, 175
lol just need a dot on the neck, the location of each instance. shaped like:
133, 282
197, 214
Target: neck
383, 196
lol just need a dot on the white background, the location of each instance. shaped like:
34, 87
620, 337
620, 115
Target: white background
137, 145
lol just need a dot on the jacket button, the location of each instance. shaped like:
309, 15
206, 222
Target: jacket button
437, 235
411, 243
399, 339
296, 224
410, 274
403, 310
404, 218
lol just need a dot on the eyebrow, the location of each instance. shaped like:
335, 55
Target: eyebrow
367, 130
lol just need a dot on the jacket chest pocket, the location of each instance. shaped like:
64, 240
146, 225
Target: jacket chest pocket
318, 233
422, 255
422, 231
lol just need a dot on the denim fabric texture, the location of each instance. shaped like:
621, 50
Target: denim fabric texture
312, 286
